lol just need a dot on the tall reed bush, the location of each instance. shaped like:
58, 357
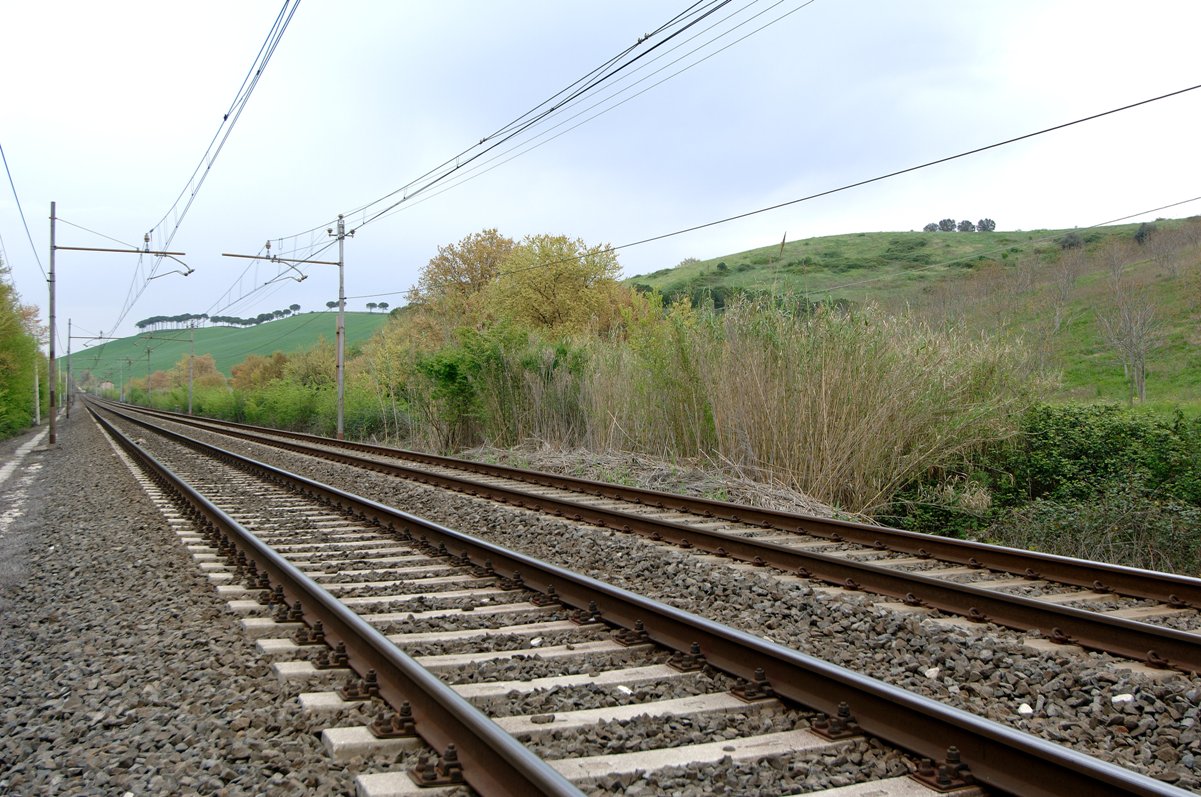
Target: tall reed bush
846, 406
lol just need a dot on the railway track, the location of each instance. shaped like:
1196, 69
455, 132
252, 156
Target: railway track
1148, 617
357, 581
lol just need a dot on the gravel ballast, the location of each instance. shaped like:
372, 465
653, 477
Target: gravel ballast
1087, 701
122, 672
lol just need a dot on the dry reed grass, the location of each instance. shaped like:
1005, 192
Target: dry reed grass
846, 407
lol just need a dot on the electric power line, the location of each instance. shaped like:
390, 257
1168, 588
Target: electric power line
203, 168
21, 210
557, 104
499, 158
857, 184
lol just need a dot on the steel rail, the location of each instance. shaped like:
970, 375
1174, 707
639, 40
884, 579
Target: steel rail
1143, 642
494, 763
998, 756
1134, 582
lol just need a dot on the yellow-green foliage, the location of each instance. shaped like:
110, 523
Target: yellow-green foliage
847, 406
257, 371
18, 357
554, 282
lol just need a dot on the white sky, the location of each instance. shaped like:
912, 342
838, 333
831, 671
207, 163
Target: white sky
106, 108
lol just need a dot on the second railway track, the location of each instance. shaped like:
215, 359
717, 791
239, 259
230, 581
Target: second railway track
374, 585
1151, 618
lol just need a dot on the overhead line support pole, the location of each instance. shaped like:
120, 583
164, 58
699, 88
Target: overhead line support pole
67, 383
340, 367
340, 331
52, 370
191, 366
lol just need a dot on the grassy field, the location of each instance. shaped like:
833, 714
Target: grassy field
228, 345
987, 283
860, 266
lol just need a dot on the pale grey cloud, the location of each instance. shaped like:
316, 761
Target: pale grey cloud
107, 108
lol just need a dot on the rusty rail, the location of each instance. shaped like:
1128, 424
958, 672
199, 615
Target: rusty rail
998, 756
1101, 576
1143, 642
494, 763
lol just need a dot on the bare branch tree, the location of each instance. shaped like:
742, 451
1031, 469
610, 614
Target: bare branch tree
1131, 328
1163, 246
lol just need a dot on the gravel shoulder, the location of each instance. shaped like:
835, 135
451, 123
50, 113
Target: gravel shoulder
121, 671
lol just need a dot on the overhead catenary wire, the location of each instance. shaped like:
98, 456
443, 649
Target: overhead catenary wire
216, 145
559, 103
499, 159
546, 115
828, 192
20, 210
555, 101
876, 179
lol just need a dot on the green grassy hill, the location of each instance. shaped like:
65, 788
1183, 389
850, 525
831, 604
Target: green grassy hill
857, 266
995, 282
228, 345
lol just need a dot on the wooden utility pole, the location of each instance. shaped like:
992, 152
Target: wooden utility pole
53, 368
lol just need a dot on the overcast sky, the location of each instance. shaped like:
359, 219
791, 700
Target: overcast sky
108, 107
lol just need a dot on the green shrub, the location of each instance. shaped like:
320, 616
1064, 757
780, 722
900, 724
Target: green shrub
1122, 525
1077, 452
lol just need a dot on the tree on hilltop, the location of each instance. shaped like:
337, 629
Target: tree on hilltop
966, 226
931, 227
986, 225
947, 225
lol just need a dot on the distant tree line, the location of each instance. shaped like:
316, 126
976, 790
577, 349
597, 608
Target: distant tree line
157, 322
950, 225
371, 306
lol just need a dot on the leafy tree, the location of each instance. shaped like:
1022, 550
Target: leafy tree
554, 282
1143, 233
295, 308
19, 356
947, 225
371, 307
986, 225
966, 226
383, 306
313, 368
257, 371
464, 269
204, 373
931, 227
331, 305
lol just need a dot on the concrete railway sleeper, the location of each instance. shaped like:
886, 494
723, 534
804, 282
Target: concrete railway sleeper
1142, 618
966, 746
